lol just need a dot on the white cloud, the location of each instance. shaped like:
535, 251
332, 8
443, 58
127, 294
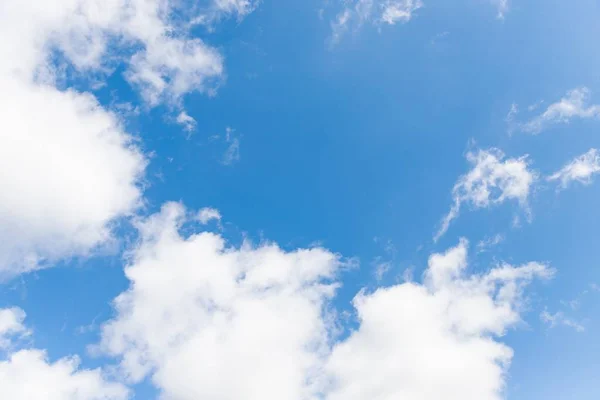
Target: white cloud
574, 105
435, 340
358, 12
559, 318
219, 9
188, 122
239, 7
510, 117
28, 374
204, 320
165, 64
209, 321
381, 268
232, 154
208, 214
11, 324
399, 10
170, 68
70, 170
489, 242
73, 168
581, 169
492, 180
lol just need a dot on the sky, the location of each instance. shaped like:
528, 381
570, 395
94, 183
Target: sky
301, 200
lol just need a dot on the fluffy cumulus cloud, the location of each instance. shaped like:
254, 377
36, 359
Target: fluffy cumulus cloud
28, 374
492, 180
70, 168
208, 321
574, 105
433, 340
581, 169
358, 12
163, 63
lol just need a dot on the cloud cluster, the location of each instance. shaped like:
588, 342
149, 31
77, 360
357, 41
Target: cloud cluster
207, 321
492, 180
71, 170
28, 374
204, 320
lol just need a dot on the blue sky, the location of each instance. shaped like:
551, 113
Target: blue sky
350, 144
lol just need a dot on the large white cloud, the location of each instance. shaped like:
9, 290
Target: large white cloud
433, 340
492, 180
208, 321
69, 168
211, 322
28, 374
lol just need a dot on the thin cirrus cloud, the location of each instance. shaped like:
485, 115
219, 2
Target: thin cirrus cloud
359, 12
560, 319
575, 104
581, 169
189, 321
492, 180
74, 169
356, 13
28, 374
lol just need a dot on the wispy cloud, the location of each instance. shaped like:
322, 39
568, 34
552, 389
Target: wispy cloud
558, 319
232, 154
576, 104
489, 242
188, 122
356, 13
581, 169
492, 180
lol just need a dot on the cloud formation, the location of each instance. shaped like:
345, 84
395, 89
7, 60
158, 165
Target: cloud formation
204, 320
71, 168
581, 169
433, 340
559, 318
574, 105
28, 374
208, 321
356, 13
492, 180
